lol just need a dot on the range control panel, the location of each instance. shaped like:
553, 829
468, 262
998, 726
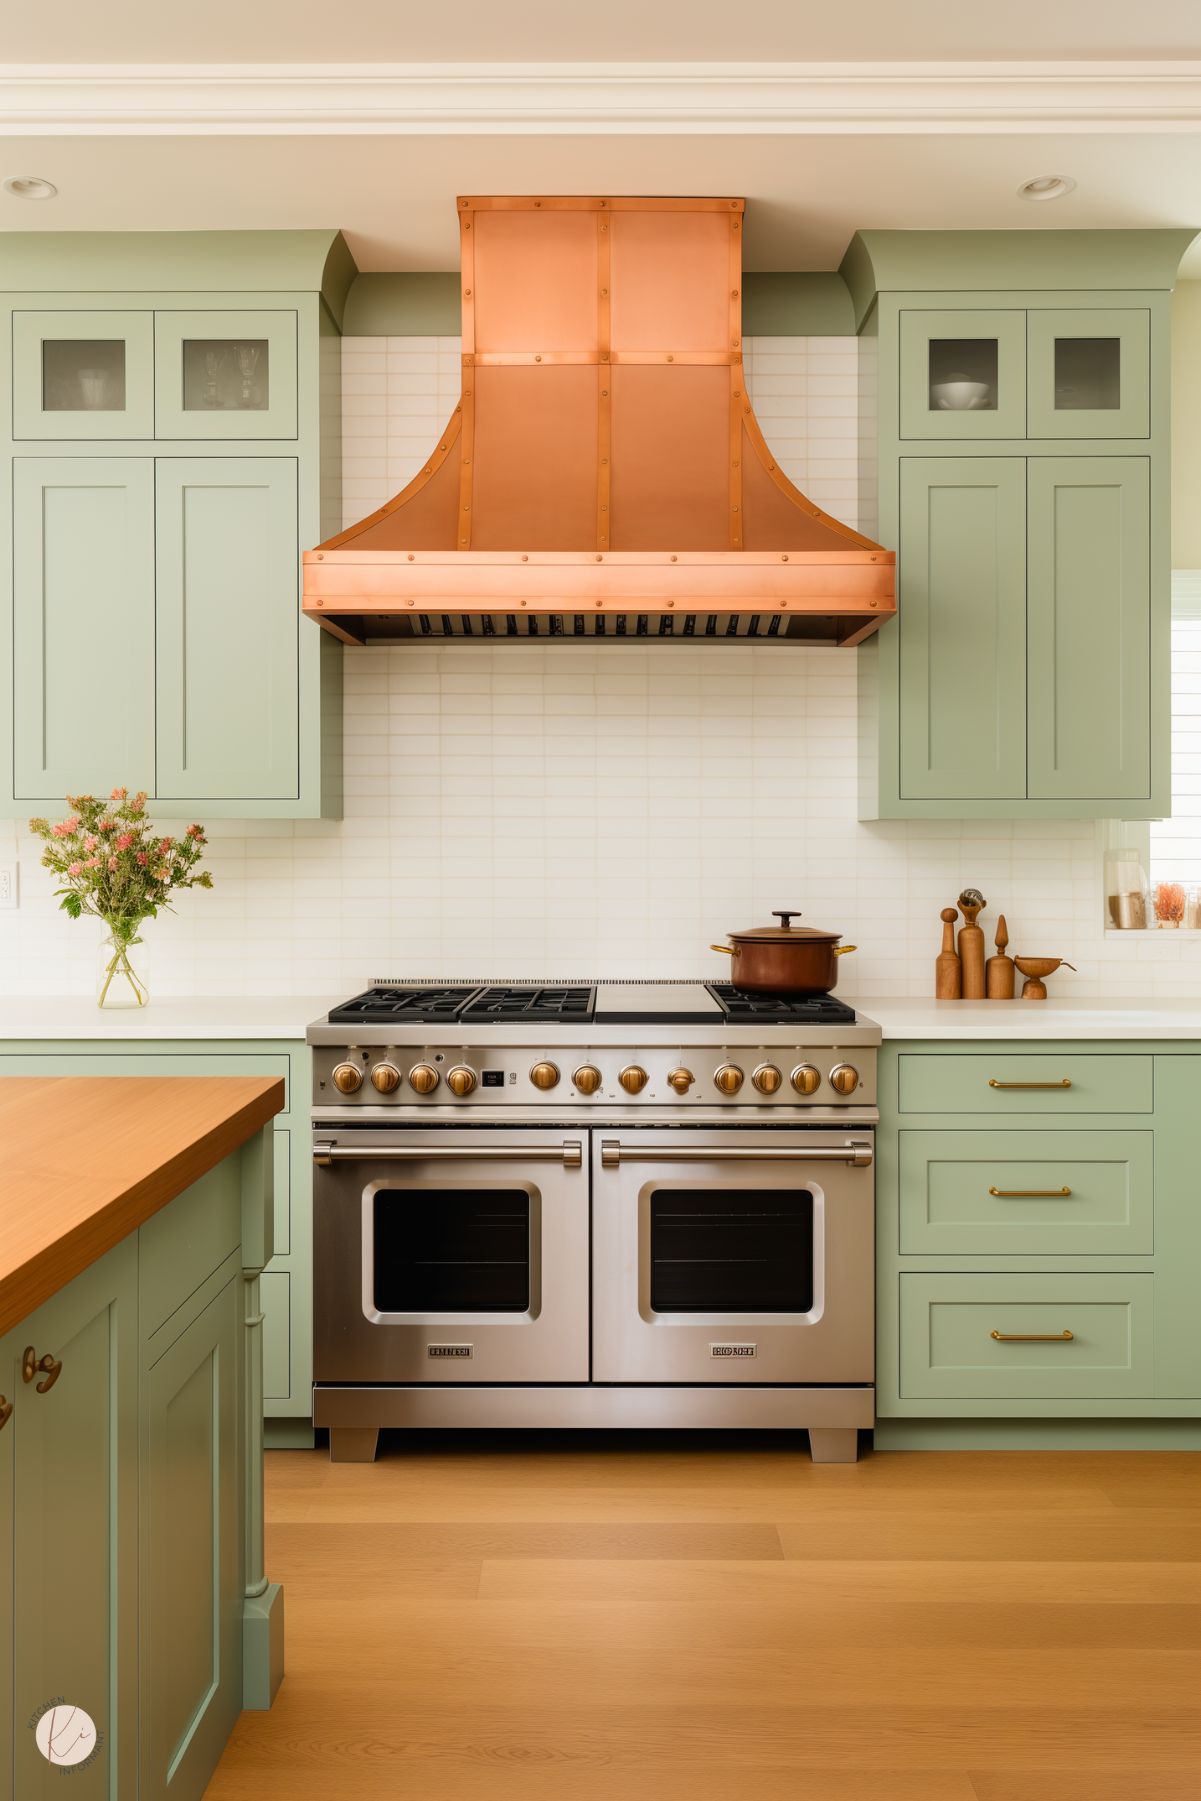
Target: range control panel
774, 1076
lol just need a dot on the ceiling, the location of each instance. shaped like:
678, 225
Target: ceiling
174, 118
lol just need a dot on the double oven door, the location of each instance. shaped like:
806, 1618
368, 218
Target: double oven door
623, 1254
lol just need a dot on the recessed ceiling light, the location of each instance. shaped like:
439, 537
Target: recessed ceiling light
1046, 187
30, 187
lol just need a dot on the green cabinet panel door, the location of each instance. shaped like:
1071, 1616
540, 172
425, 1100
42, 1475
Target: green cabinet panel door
1089, 628
83, 375
75, 1506
227, 600
191, 1601
83, 625
963, 628
1088, 372
939, 350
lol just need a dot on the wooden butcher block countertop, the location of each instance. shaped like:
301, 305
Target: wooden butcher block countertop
85, 1159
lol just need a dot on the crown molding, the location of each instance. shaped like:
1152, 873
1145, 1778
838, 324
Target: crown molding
178, 100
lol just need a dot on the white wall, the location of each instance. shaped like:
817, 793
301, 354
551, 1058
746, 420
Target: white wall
573, 811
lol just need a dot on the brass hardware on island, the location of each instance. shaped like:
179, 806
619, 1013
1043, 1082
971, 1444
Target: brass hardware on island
347, 1078
1030, 1194
423, 1078
460, 1080
385, 1078
6, 1411
51, 1369
1063, 1082
587, 1078
728, 1078
633, 1078
1064, 1337
805, 1079
681, 1080
844, 1078
545, 1075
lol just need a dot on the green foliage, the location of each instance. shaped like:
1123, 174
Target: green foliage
114, 864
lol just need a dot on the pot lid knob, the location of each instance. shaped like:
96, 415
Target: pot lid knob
785, 919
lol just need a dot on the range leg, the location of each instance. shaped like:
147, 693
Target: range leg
833, 1444
353, 1444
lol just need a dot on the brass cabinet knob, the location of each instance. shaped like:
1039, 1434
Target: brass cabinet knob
805, 1079
423, 1078
51, 1368
587, 1078
844, 1077
348, 1077
728, 1078
385, 1078
460, 1080
544, 1075
681, 1080
767, 1078
633, 1078
6, 1411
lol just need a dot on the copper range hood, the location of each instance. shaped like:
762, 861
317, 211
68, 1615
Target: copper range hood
603, 475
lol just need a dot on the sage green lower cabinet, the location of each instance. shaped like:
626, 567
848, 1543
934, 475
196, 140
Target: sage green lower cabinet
72, 1474
1038, 1245
1089, 625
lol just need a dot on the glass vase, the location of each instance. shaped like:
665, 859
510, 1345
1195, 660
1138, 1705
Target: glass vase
121, 970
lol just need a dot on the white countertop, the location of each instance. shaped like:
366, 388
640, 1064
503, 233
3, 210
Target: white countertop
1049, 1019
278, 1017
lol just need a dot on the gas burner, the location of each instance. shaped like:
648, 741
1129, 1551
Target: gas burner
560, 1006
403, 1006
771, 1009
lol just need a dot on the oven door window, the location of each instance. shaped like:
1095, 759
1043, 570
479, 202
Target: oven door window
737, 1250
446, 1250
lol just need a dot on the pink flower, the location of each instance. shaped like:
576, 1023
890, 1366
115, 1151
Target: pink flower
74, 868
142, 858
112, 864
138, 803
195, 831
162, 873
118, 794
90, 842
108, 825
164, 845
66, 828
124, 842
92, 863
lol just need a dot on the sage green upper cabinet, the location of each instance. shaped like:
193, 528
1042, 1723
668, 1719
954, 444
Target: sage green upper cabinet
963, 650
83, 560
83, 374
1089, 624
226, 607
222, 374
963, 374
1089, 372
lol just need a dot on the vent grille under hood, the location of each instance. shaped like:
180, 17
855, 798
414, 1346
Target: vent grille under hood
603, 475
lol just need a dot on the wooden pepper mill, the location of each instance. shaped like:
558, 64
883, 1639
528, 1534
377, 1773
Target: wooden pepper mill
998, 973
948, 971
971, 944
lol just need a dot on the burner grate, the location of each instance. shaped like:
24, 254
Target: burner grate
418, 1006
564, 1005
773, 1009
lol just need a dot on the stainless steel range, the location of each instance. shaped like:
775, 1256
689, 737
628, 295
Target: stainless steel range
611, 1204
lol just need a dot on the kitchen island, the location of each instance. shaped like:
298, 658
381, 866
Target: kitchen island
136, 1616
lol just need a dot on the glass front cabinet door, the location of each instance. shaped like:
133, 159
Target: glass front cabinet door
1089, 372
80, 375
963, 374
225, 375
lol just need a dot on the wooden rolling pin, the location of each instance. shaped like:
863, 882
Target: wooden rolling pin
971, 944
948, 971
998, 973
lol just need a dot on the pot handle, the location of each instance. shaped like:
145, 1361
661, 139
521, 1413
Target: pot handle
844, 950
725, 949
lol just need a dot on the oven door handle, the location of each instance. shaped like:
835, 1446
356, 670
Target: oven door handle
570, 1154
613, 1154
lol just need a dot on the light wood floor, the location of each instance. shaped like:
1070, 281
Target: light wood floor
541, 1619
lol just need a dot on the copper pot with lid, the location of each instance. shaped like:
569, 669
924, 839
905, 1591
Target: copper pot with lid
785, 959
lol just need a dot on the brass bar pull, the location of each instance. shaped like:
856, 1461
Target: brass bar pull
1064, 1082
1030, 1194
50, 1367
1063, 1337
6, 1411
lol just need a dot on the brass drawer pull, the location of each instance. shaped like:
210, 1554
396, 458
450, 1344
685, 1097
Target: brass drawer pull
51, 1368
1030, 1194
6, 1411
1063, 1337
1064, 1082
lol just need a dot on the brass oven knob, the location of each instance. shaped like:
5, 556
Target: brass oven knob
633, 1078
806, 1079
844, 1077
728, 1078
681, 1080
767, 1078
348, 1077
587, 1078
544, 1075
423, 1078
460, 1080
385, 1077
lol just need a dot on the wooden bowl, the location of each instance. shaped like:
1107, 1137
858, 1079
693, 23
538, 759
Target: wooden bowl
1038, 966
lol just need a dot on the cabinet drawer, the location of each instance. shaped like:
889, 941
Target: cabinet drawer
948, 1349
1025, 1194
1022, 1083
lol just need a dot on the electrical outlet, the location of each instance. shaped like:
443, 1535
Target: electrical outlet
8, 885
